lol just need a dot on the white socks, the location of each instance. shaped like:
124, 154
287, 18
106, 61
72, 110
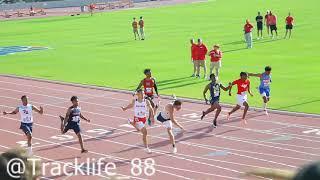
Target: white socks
29, 151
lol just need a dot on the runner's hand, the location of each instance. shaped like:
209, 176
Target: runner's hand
5, 113
123, 108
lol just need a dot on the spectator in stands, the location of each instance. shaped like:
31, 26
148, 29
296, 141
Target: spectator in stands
32, 12
141, 24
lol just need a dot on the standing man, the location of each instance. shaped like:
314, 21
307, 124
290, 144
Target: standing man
141, 24
25, 111
264, 88
273, 24
201, 51
193, 56
216, 56
135, 29
259, 20
267, 22
248, 33
289, 25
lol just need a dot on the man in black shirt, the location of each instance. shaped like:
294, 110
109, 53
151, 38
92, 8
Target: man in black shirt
259, 20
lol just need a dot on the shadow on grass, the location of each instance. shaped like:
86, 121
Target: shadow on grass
299, 104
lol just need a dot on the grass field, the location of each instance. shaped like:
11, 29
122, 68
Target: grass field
100, 50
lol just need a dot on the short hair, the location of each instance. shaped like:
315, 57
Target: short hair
146, 71
212, 75
267, 68
140, 17
139, 91
243, 74
73, 98
199, 40
177, 102
23, 97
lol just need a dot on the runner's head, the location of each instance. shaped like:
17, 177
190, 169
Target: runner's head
243, 75
213, 77
75, 101
216, 47
177, 105
267, 69
139, 93
24, 100
259, 13
147, 72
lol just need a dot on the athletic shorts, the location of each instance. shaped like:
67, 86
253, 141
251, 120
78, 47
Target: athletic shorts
75, 126
216, 64
214, 100
138, 122
141, 30
273, 27
265, 92
241, 98
288, 26
260, 26
135, 30
167, 123
199, 63
26, 128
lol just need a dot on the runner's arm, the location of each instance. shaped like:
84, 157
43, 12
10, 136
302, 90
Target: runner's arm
230, 88
82, 117
35, 108
13, 112
204, 93
249, 90
172, 118
224, 88
67, 117
128, 106
140, 85
156, 87
255, 74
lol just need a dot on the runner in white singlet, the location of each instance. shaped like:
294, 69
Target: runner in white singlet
141, 108
25, 111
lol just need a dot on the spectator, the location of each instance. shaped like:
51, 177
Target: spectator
201, 52
193, 56
216, 56
259, 20
273, 24
248, 34
267, 21
141, 24
289, 25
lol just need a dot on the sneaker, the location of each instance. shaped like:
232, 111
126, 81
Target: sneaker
84, 151
266, 112
197, 76
148, 150
175, 150
203, 115
258, 38
193, 75
214, 124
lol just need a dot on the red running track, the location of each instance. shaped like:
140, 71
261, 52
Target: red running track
274, 141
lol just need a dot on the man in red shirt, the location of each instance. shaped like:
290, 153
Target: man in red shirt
201, 52
216, 56
248, 33
273, 24
267, 22
141, 24
150, 86
193, 56
243, 85
289, 25
135, 29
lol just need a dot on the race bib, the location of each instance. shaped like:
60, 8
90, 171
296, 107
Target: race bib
76, 118
27, 119
148, 90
